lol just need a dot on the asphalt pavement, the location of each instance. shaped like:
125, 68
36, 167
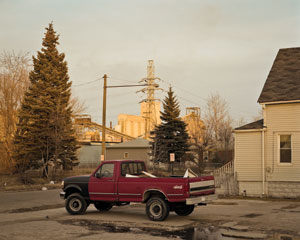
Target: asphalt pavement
40, 215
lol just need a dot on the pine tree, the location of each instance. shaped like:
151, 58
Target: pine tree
171, 135
44, 132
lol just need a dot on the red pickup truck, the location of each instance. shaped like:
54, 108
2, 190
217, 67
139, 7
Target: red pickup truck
117, 183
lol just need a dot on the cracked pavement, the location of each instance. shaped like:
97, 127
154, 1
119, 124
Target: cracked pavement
40, 215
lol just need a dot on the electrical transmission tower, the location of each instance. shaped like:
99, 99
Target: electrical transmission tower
150, 107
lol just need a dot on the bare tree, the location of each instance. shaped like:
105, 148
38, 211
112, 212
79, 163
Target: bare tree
77, 106
225, 134
240, 122
200, 141
259, 115
217, 118
14, 69
213, 133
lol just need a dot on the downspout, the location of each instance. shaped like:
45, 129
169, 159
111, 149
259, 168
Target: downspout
234, 158
263, 161
263, 149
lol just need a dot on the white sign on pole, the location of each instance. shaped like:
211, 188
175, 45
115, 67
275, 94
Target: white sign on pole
172, 157
102, 157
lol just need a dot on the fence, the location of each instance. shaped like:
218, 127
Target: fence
225, 179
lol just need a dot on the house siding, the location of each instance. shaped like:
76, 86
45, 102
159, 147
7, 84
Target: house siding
248, 156
133, 154
282, 119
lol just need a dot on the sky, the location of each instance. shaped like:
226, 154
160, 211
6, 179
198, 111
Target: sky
199, 47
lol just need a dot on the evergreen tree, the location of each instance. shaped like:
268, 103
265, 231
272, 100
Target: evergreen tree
171, 135
44, 132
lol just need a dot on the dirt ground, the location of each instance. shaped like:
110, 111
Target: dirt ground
40, 215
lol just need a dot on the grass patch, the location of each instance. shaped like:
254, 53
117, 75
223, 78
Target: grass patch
35, 181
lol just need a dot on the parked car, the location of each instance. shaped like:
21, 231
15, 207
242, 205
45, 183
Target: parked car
119, 182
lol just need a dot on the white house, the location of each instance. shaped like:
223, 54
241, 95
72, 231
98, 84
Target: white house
267, 152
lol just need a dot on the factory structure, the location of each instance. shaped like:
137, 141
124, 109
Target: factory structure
130, 126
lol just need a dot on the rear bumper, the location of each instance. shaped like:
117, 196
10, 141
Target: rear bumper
62, 195
201, 199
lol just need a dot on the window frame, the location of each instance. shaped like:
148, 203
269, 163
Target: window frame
131, 168
278, 150
126, 155
100, 168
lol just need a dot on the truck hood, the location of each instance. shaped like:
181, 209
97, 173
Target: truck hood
77, 179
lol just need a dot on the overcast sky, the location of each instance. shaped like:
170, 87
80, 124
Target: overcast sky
199, 47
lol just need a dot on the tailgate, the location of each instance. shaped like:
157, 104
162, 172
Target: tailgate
202, 185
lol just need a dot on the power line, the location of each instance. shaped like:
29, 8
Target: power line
83, 84
182, 89
119, 94
135, 85
122, 80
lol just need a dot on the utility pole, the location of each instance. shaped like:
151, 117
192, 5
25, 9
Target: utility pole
103, 154
151, 87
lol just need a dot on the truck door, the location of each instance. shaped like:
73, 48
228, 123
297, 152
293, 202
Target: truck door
102, 183
130, 189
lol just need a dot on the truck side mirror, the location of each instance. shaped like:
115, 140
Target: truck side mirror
98, 175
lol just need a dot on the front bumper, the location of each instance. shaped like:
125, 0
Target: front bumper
62, 195
201, 199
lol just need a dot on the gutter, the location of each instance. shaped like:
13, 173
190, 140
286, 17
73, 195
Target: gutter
279, 102
249, 130
263, 162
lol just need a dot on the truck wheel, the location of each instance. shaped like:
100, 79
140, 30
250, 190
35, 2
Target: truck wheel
103, 206
75, 204
157, 209
184, 210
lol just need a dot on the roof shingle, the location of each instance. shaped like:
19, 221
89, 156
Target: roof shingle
254, 125
283, 82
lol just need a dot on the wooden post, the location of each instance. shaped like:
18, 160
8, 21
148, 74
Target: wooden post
104, 117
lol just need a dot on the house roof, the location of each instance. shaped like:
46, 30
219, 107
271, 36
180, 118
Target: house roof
254, 125
283, 82
136, 143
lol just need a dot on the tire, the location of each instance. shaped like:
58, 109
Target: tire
157, 209
103, 206
184, 210
75, 204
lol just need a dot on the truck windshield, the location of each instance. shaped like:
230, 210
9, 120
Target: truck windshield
132, 168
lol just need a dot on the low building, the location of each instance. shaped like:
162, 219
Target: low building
89, 154
267, 152
137, 149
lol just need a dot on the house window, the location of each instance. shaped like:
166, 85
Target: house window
285, 149
126, 155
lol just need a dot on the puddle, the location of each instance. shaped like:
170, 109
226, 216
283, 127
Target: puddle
186, 234
34, 209
291, 206
190, 233
223, 203
252, 215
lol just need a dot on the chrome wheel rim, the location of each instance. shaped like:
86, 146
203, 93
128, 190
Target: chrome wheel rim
75, 204
156, 209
